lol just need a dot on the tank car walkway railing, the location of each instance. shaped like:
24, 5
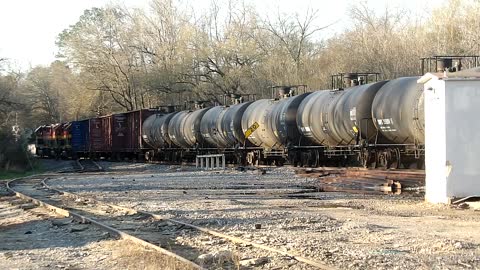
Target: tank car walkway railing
210, 162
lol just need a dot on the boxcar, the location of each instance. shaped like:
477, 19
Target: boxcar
119, 133
135, 146
80, 138
100, 143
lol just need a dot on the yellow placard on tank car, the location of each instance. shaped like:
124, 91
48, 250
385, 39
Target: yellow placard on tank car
251, 129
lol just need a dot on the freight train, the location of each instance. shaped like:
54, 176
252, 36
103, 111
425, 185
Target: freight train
379, 124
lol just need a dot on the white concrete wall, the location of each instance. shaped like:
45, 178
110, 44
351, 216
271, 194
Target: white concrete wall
435, 137
452, 139
463, 137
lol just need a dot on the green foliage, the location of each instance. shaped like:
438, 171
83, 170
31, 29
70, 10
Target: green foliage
13, 154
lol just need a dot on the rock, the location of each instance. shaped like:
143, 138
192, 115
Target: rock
61, 222
78, 228
458, 245
465, 265
27, 206
205, 258
260, 172
474, 205
219, 257
223, 256
241, 168
333, 250
8, 255
352, 265
255, 262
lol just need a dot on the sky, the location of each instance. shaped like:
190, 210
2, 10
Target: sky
29, 28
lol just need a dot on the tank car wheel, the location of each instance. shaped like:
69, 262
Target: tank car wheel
384, 157
147, 156
372, 161
421, 164
251, 158
294, 160
316, 157
364, 157
395, 161
291, 158
304, 159
301, 160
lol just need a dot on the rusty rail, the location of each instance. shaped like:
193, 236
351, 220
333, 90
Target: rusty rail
86, 220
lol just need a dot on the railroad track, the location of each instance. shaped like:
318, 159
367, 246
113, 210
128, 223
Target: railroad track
151, 230
86, 165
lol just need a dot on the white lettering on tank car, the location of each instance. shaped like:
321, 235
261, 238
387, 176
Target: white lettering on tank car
353, 114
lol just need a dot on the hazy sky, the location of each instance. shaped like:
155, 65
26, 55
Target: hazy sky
28, 28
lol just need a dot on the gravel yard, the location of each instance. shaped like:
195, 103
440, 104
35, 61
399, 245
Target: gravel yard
344, 230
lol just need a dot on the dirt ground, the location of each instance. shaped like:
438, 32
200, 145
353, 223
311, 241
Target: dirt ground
347, 231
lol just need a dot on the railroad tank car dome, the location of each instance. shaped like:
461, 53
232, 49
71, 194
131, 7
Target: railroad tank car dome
398, 111
155, 130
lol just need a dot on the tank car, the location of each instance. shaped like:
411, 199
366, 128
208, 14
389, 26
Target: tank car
221, 128
398, 115
398, 112
336, 120
231, 124
277, 130
211, 128
257, 113
184, 129
155, 130
342, 117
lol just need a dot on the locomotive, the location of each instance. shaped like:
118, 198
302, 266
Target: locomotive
375, 124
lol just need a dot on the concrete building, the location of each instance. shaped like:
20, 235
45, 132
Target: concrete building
452, 135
